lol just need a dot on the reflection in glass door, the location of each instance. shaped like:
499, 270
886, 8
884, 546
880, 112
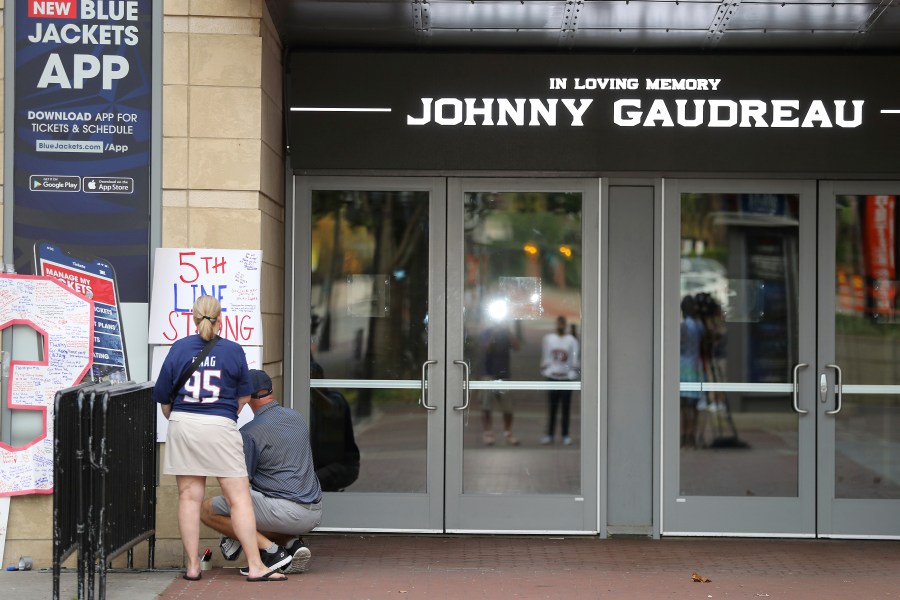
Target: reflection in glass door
744, 458
520, 454
859, 358
738, 336
369, 283
788, 377
375, 281
522, 317
445, 328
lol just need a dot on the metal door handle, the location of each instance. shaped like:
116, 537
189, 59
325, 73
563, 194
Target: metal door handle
465, 367
839, 377
423, 398
797, 408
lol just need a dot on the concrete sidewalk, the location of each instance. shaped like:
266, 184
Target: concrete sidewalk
474, 567
131, 585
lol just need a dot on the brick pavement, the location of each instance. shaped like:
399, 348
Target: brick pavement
475, 567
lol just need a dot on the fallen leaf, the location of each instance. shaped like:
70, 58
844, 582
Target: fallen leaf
698, 578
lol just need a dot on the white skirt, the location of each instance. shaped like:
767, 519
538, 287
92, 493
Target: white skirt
204, 445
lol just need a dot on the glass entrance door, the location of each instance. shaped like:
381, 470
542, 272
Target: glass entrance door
430, 310
859, 361
782, 292
740, 453
522, 453
368, 302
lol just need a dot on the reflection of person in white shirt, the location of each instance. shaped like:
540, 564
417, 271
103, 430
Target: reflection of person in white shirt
559, 362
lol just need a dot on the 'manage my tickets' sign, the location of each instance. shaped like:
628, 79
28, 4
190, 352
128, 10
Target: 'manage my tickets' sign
180, 276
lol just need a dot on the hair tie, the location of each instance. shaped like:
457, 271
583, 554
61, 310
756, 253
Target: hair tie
210, 319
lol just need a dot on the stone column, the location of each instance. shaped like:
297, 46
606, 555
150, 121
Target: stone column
223, 180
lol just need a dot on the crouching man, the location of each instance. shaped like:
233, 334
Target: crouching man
287, 498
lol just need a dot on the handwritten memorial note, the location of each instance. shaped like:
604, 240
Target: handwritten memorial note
64, 320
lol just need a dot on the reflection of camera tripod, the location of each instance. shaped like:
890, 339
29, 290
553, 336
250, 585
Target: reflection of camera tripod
715, 410
714, 371
721, 409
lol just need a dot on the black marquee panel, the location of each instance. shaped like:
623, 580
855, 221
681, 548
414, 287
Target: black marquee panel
827, 115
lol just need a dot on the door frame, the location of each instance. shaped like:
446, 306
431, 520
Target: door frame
735, 516
841, 517
489, 513
390, 512
426, 512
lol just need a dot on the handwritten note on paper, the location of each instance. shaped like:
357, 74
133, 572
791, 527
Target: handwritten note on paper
180, 276
65, 320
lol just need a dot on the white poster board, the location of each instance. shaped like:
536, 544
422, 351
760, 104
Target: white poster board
65, 321
181, 275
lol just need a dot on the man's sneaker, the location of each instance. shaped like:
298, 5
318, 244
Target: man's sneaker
231, 548
279, 560
300, 557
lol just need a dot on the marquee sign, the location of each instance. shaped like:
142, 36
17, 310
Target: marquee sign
584, 112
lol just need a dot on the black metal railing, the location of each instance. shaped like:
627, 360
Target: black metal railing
104, 465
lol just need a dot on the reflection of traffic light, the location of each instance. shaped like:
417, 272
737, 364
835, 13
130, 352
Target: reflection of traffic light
532, 253
566, 251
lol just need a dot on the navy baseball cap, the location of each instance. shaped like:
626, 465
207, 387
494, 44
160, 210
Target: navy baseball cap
261, 383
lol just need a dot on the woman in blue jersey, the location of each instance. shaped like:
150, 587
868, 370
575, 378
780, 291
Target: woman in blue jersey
203, 438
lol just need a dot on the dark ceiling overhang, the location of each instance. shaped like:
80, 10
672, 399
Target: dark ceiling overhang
841, 26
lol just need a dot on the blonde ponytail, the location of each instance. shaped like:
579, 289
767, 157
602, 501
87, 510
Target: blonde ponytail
206, 312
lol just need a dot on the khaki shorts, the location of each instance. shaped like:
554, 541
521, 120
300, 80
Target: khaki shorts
276, 515
204, 445
497, 399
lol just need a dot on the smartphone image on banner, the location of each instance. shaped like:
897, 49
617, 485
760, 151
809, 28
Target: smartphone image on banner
95, 279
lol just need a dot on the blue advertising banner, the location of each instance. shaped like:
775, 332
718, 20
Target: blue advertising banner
82, 134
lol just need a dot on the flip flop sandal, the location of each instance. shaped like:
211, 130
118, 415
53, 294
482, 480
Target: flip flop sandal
189, 578
267, 577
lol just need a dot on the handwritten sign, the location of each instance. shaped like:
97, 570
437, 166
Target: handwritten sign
180, 276
65, 321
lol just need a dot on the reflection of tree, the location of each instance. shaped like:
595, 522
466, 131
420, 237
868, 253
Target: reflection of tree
848, 235
694, 211
331, 273
517, 234
385, 234
394, 350
544, 221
